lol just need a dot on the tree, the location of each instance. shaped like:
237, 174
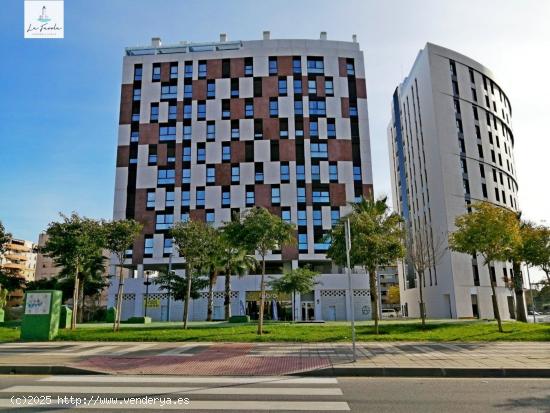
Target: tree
214, 265
119, 237
424, 251
491, 231
260, 231
10, 280
300, 280
71, 243
376, 241
536, 246
394, 295
170, 281
194, 242
234, 260
4, 238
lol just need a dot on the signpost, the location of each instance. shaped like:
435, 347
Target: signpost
41, 317
350, 289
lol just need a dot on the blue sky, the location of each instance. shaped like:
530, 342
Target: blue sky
59, 99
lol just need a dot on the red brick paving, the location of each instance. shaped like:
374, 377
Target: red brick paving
217, 360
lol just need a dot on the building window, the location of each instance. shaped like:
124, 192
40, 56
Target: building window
135, 114
249, 108
301, 194
285, 172
283, 89
318, 108
154, 116
226, 197
148, 246
150, 199
167, 133
319, 150
329, 86
173, 70
226, 109
211, 89
210, 216
259, 173
315, 172
185, 198
188, 91
333, 172
210, 175
201, 154
169, 199
156, 72
297, 86
172, 112
331, 128
134, 136
300, 172
186, 176
201, 110
235, 174
321, 196
312, 87
226, 151
313, 128
272, 65
275, 195
202, 69
186, 154
350, 67
250, 199
317, 218
302, 242
357, 173
201, 195
302, 217
283, 128
211, 130
286, 215
188, 70
164, 221
166, 176
234, 88
138, 73
258, 129
137, 94
298, 107
315, 65
169, 92
185, 217
353, 112
273, 107
187, 111
167, 246
334, 216
298, 127
235, 131
248, 67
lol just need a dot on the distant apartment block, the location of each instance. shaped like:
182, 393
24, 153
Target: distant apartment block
18, 260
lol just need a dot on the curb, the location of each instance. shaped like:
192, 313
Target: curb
454, 372
37, 369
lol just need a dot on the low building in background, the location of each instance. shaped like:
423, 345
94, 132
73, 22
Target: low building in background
388, 277
18, 260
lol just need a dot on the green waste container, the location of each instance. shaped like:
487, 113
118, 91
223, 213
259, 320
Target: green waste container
41, 316
65, 317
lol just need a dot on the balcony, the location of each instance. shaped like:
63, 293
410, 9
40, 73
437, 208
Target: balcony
13, 266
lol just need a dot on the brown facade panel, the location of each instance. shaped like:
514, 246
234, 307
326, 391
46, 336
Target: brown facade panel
320, 85
345, 107
199, 90
342, 67
165, 72
126, 100
337, 194
148, 133
197, 215
146, 217
309, 194
287, 150
137, 251
339, 150
284, 65
361, 86
289, 253
368, 191
179, 163
214, 69
262, 195
237, 108
162, 154
223, 174
271, 128
261, 107
179, 115
275, 210
122, 156
236, 66
270, 86
237, 151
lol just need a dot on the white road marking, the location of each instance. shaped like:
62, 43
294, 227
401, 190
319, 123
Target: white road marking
198, 380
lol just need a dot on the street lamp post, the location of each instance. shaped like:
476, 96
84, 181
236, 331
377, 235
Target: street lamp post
170, 273
531, 292
350, 289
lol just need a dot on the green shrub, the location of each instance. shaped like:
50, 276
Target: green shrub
139, 320
110, 315
239, 319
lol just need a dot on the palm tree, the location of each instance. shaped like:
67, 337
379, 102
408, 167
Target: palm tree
299, 280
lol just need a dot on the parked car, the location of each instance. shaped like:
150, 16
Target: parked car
389, 313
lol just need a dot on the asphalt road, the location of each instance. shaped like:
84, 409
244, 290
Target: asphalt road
273, 394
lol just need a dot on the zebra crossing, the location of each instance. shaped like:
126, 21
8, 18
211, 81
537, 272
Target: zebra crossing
239, 393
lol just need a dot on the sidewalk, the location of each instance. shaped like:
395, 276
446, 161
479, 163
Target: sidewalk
501, 359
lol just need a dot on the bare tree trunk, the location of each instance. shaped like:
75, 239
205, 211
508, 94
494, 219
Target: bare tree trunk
293, 305
262, 299
374, 297
81, 301
75, 299
187, 297
422, 304
521, 314
212, 281
227, 298
495, 307
118, 315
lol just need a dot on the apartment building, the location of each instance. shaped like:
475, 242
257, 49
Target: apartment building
18, 260
209, 129
451, 144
